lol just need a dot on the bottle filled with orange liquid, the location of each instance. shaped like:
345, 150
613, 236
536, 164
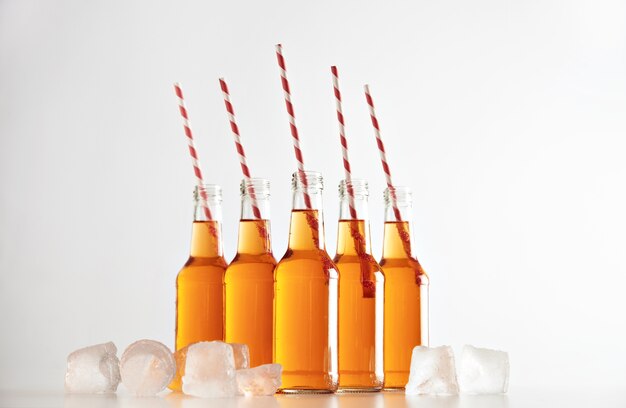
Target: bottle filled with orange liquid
406, 290
306, 297
249, 279
200, 283
361, 295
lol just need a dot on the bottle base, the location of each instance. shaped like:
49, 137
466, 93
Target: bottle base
291, 391
393, 389
308, 382
358, 390
359, 381
395, 380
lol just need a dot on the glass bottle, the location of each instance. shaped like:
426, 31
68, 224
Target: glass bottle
361, 295
306, 297
406, 291
249, 279
200, 283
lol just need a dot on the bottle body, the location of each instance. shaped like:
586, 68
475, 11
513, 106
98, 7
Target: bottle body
199, 284
361, 296
249, 281
306, 301
406, 295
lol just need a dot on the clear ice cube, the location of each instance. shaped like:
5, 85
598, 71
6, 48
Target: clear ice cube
210, 370
147, 367
93, 369
262, 380
483, 371
242, 355
432, 372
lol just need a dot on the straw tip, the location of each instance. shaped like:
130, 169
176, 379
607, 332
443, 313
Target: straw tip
333, 69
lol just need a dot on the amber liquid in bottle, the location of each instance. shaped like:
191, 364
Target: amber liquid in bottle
305, 296
249, 281
406, 301
199, 288
361, 297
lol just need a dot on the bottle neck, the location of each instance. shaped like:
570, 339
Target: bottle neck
306, 230
206, 239
254, 237
207, 201
352, 203
307, 199
255, 199
353, 238
353, 232
399, 207
206, 235
397, 239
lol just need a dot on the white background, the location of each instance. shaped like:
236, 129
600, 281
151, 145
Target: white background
507, 118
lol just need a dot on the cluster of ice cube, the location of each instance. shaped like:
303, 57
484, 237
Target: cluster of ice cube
93, 369
480, 371
206, 369
216, 369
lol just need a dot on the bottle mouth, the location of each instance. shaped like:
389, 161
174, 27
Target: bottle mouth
359, 187
402, 194
260, 187
213, 192
307, 180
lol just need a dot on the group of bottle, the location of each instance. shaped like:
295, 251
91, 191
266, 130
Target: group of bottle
343, 324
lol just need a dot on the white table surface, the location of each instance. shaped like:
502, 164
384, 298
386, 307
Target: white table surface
522, 398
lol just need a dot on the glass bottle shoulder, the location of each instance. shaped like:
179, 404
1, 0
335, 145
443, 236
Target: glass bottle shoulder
245, 259
197, 267
306, 263
252, 267
400, 267
347, 260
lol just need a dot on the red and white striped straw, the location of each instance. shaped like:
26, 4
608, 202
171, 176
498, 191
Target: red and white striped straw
292, 122
383, 155
240, 151
344, 143
192, 152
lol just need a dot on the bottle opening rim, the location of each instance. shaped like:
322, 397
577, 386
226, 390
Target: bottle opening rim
261, 186
313, 180
360, 187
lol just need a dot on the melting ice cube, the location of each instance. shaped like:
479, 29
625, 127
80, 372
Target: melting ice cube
262, 380
432, 372
147, 367
93, 369
242, 355
483, 371
210, 370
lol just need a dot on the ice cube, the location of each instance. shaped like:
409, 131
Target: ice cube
483, 371
262, 380
147, 367
242, 355
432, 372
210, 370
93, 369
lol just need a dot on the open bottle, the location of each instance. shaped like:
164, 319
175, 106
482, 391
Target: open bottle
249, 279
200, 283
361, 294
306, 297
406, 290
